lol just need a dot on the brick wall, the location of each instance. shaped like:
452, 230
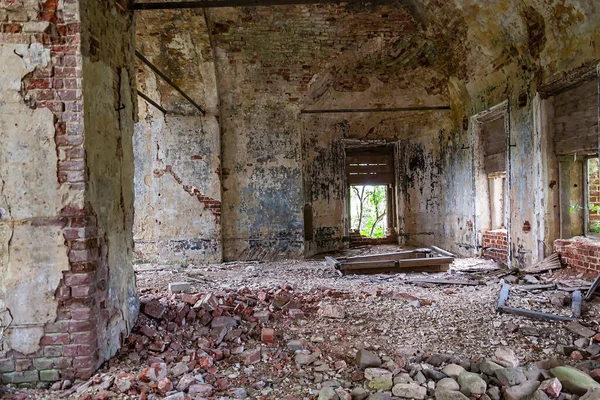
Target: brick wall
496, 243
583, 255
69, 347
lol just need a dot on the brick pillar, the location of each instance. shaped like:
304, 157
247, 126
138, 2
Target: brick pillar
56, 224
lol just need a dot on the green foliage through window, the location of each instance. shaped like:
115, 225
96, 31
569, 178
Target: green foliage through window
369, 210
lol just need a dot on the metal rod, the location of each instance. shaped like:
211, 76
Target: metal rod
166, 79
163, 5
149, 100
366, 110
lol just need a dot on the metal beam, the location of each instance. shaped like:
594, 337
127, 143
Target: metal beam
168, 80
370, 110
166, 5
149, 100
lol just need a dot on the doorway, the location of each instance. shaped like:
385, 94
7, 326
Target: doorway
371, 194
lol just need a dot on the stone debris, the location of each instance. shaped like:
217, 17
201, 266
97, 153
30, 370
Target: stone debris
180, 287
280, 343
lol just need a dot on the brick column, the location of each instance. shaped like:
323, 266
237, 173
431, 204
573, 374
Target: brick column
53, 231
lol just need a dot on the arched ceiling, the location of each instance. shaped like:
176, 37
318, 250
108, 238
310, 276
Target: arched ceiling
389, 52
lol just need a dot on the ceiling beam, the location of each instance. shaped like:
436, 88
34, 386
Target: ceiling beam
168, 80
370, 110
171, 5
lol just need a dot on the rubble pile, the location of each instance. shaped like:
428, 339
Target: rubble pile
373, 337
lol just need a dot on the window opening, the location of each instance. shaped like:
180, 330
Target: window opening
368, 210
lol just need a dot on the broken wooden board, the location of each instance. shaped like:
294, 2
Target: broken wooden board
534, 314
590, 293
535, 287
398, 255
402, 261
395, 270
576, 304
444, 281
502, 307
547, 264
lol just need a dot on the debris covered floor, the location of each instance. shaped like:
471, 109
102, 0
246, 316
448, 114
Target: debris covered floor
328, 331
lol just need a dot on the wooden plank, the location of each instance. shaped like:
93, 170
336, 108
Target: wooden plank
361, 169
434, 268
418, 262
397, 255
371, 179
332, 262
445, 281
442, 251
367, 265
504, 291
535, 287
590, 293
576, 304
534, 314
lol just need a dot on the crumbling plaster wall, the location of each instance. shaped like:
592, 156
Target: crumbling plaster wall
109, 112
536, 43
178, 157
72, 299
272, 62
415, 135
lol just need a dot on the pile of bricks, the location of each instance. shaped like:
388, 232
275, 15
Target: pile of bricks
583, 255
495, 244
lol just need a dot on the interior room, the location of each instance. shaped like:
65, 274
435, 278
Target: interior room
299, 199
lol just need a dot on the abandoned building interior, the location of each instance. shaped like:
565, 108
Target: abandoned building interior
143, 139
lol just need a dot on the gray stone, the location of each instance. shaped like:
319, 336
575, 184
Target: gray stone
448, 384
179, 287
420, 378
306, 359
179, 369
437, 359
176, 396
488, 367
522, 391
331, 383
433, 374
402, 378
453, 370
510, 376
409, 391
533, 373
359, 393
581, 343
380, 396
379, 378
529, 331
579, 329
294, 345
539, 395
223, 322
592, 394
445, 394
239, 393
593, 349
333, 311
494, 393
471, 384
327, 393
201, 389
365, 359
49, 375
505, 357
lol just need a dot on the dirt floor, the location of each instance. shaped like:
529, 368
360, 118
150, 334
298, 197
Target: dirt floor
383, 313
